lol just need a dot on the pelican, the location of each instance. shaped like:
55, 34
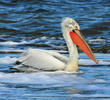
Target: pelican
35, 60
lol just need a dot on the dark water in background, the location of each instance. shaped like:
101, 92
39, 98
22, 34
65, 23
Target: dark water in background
36, 24
25, 20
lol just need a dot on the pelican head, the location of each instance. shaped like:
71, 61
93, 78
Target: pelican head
73, 36
70, 24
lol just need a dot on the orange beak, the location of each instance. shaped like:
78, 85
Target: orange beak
78, 39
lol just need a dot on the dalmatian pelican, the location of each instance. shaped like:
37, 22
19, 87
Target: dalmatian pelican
35, 60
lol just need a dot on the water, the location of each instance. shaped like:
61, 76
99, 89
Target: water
36, 24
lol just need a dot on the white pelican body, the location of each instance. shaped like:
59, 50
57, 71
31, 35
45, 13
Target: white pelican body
48, 60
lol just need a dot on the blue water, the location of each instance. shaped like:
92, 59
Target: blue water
36, 24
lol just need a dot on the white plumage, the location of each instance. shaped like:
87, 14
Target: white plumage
48, 60
43, 60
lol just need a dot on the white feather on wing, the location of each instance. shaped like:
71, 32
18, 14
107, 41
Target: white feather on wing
43, 59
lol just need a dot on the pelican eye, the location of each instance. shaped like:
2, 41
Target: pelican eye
73, 30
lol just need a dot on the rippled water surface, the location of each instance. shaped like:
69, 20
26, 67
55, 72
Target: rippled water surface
36, 24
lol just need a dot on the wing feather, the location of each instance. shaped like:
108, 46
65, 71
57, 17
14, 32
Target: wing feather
43, 60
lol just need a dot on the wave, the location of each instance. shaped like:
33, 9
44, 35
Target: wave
42, 77
55, 78
92, 96
11, 51
10, 43
89, 62
7, 60
98, 41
